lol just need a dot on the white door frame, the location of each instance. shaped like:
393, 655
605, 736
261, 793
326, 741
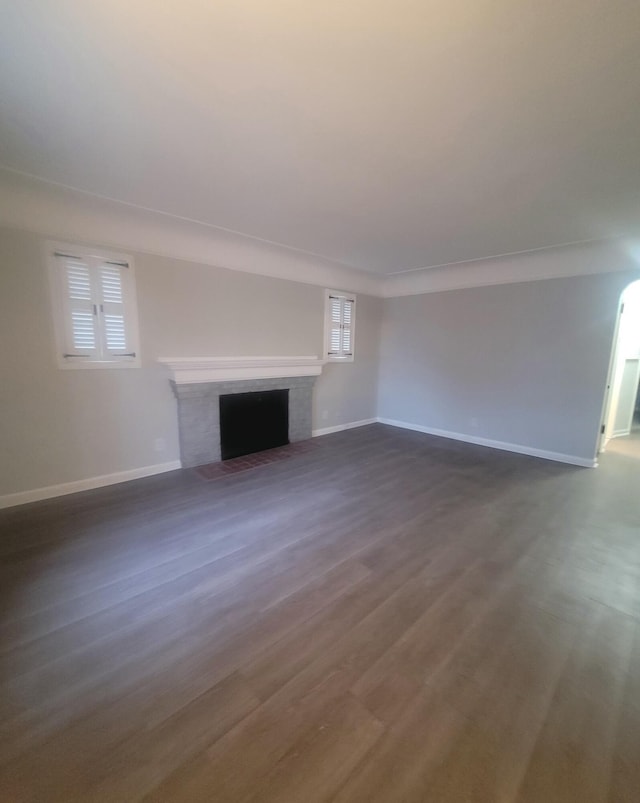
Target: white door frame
611, 397
608, 405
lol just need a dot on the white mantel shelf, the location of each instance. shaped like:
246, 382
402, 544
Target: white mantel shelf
190, 370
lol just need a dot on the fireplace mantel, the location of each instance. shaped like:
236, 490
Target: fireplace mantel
192, 370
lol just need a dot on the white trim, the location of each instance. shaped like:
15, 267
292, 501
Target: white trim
552, 246
94, 257
59, 212
56, 211
51, 491
609, 256
340, 427
328, 325
502, 445
607, 402
190, 370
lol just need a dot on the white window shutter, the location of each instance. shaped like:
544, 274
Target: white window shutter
112, 280
347, 327
80, 320
94, 307
335, 326
340, 325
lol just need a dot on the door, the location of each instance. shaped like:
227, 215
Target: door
629, 377
612, 390
624, 373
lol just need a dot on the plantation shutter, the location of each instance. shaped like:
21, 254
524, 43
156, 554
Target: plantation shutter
340, 326
112, 281
94, 311
335, 326
80, 324
347, 327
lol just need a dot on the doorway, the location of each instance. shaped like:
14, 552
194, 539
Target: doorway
622, 412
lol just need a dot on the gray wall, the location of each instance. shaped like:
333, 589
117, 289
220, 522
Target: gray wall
58, 426
523, 364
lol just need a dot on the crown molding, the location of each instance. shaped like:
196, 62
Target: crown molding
602, 256
62, 213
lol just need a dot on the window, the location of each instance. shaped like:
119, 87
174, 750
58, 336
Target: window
340, 321
94, 308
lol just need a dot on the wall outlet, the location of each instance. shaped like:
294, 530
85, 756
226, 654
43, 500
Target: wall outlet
325, 415
160, 445
474, 423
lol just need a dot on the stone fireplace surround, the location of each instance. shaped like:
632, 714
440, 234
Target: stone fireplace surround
198, 384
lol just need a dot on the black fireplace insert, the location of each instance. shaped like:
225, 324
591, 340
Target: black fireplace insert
252, 422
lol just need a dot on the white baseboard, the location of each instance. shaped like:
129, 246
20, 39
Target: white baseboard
51, 491
340, 427
37, 494
505, 447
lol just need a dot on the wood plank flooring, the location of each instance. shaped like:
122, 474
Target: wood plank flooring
387, 617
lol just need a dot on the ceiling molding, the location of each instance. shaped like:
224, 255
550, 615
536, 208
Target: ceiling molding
609, 256
224, 133
52, 210
490, 257
62, 213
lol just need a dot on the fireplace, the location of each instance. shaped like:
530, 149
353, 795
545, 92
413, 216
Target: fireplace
201, 384
252, 422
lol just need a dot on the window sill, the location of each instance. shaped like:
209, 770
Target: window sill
67, 365
339, 359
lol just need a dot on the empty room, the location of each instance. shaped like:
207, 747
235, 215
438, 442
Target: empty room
319, 410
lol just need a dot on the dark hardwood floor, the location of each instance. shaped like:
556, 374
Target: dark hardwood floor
385, 617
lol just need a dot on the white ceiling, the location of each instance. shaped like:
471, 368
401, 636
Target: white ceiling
386, 136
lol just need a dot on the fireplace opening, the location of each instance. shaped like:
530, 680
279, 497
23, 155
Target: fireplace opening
253, 422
